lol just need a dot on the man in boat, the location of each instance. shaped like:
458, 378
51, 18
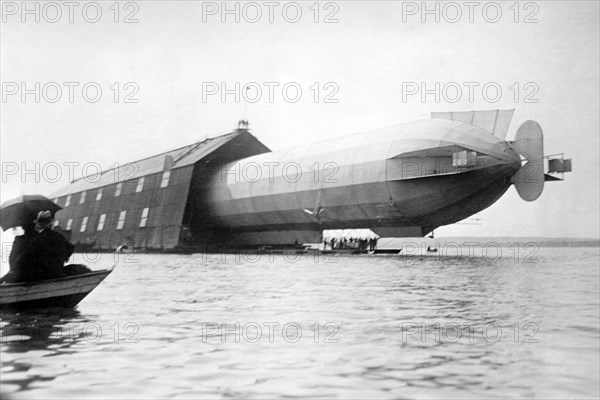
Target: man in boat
47, 253
20, 244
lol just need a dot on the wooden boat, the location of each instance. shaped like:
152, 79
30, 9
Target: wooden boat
60, 292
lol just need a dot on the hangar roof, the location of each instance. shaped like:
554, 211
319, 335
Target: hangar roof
171, 159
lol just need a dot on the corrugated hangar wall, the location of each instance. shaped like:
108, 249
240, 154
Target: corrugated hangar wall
162, 228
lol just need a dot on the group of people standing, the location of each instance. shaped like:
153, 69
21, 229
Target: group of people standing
39, 254
351, 244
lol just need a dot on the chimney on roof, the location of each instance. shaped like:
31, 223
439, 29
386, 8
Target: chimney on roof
168, 162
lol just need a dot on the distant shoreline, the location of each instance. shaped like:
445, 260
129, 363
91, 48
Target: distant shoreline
502, 241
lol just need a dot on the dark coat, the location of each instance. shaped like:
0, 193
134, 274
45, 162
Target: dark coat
20, 245
45, 257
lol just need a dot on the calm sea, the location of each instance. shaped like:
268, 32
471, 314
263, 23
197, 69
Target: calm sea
227, 326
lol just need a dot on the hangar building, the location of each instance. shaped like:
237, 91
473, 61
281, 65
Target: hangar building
148, 203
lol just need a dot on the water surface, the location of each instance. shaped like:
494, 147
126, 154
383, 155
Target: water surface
187, 326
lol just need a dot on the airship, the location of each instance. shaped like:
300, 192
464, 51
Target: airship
404, 180
401, 181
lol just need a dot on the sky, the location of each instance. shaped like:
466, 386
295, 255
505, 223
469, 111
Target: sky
161, 66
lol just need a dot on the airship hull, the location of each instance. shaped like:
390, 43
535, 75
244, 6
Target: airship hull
399, 181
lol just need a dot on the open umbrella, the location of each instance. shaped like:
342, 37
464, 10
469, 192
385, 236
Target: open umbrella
20, 210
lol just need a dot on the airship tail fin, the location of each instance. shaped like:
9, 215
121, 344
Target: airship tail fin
496, 122
529, 143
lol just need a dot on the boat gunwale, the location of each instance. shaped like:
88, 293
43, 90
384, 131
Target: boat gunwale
54, 280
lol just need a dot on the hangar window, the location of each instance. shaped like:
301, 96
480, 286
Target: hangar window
99, 194
165, 179
144, 217
68, 201
69, 223
118, 189
140, 185
121, 222
101, 222
83, 224
82, 198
